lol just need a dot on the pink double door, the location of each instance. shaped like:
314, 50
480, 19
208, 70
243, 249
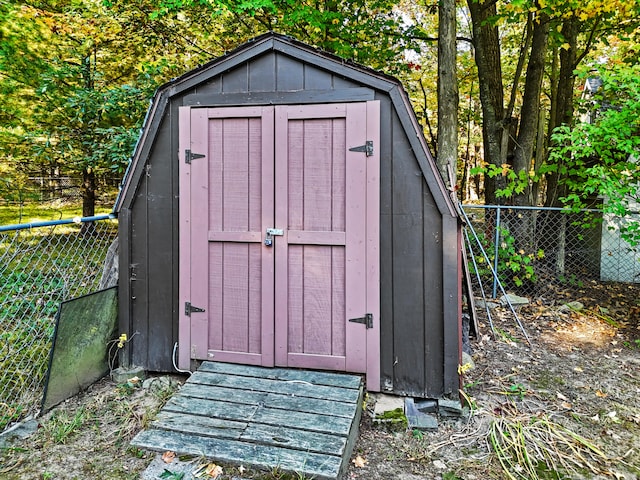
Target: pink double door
279, 232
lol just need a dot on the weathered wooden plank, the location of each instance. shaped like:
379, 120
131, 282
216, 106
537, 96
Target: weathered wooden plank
308, 464
259, 414
208, 426
316, 378
211, 408
274, 400
293, 387
305, 421
282, 436
295, 439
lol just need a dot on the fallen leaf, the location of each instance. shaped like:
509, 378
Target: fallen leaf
359, 462
214, 470
561, 397
168, 457
209, 470
600, 393
566, 405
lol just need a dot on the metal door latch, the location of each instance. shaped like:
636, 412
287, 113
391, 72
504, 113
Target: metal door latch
272, 232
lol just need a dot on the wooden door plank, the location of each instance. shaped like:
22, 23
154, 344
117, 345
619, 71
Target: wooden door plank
199, 225
184, 212
317, 338
286, 374
311, 465
317, 173
285, 140
356, 221
373, 247
293, 322
338, 303
276, 386
311, 237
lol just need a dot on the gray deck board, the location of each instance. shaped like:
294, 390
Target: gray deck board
275, 400
291, 387
317, 378
299, 421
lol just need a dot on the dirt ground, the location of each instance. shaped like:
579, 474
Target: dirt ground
570, 399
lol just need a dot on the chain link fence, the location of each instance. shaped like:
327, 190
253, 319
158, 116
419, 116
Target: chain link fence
538, 250
40, 266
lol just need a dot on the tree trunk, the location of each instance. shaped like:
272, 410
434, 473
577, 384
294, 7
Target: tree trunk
564, 102
487, 57
528, 131
447, 93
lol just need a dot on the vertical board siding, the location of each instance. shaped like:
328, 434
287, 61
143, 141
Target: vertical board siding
289, 74
138, 272
237, 80
408, 264
386, 244
262, 74
433, 245
316, 79
452, 309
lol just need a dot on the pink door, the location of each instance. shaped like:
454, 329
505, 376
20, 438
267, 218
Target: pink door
279, 235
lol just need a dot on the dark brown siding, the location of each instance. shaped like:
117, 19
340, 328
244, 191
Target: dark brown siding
411, 271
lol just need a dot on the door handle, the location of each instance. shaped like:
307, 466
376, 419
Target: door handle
272, 232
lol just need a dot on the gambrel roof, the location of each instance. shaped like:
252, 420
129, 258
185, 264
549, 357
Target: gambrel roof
369, 79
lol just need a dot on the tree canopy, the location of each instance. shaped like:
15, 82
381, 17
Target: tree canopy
76, 77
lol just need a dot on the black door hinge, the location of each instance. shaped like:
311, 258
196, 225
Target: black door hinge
366, 320
367, 148
189, 155
188, 309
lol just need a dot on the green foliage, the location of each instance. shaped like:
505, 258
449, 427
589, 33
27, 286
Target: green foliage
600, 157
371, 32
515, 265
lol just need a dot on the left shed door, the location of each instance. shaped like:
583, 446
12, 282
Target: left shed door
231, 202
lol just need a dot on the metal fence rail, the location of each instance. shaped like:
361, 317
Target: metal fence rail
40, 266
533, 249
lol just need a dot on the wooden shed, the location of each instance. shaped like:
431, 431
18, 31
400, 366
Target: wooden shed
282, 209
